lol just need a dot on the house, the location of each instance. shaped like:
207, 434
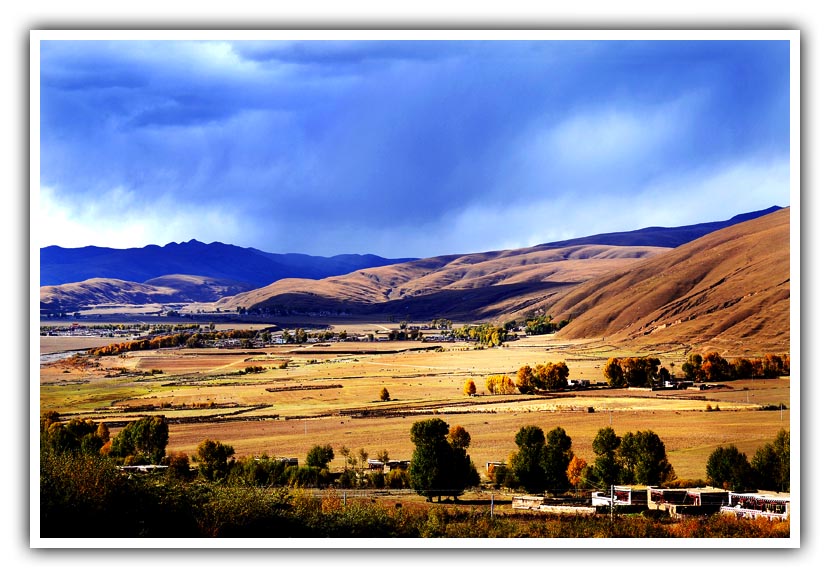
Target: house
772, 506
491, 467
682, 502
397, 465
623, 496
375, 465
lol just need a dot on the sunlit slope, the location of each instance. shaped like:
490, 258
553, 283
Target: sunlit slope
473, 286
166, 289
729, 290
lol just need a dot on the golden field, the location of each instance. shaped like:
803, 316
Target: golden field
329, 394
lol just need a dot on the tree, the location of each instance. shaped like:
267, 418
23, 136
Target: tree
458, 438
213, 459
526, 463
319, 456
345, 452
613, 373
144, 439
439, 468
500, 385
550, 376
576, 470
470, 387
606, 469
643, 459
384, 394
692, 367
556, 457
729, 469
524, 379
771, 464
715, 367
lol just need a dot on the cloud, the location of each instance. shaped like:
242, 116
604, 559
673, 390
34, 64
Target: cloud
396, 148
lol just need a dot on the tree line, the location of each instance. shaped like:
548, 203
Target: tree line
181, 339
440, 465
713, 367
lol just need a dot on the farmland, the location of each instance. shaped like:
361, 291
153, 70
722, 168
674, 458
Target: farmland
317, 393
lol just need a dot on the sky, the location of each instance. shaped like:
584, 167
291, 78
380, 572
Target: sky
404, 148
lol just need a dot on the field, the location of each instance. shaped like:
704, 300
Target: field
329, 393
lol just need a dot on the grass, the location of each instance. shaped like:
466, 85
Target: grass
421, 384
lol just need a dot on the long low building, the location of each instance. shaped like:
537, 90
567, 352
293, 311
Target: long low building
772, 506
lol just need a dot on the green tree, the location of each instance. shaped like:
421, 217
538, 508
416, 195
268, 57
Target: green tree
438, 468
606, 468
143, 439
643, 459
729, 469
556, 456
771, 464
319, 456
213, 459
526, 463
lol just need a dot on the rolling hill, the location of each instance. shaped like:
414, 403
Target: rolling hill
729, 289
472, 287
166, 289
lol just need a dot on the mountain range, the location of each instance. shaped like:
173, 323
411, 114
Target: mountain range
727, 281
59, 265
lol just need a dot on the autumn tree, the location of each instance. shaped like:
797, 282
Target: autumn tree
714, 367
576, 469
613, 373
470, 387
524, 379
500, 385
551, 376
384, 394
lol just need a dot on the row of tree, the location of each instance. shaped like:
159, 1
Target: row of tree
440, 466
713, 367
179, 339
729, 468
635, 372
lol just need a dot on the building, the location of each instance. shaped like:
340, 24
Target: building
623, 496
752, 505
681, 502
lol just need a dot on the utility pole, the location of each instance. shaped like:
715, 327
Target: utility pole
612, 502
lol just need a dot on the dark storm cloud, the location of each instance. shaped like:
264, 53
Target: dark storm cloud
405, 147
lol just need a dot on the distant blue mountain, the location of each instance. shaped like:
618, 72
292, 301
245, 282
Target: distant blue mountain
59, 265
661, 236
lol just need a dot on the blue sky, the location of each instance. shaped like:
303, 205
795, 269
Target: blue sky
404, 148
